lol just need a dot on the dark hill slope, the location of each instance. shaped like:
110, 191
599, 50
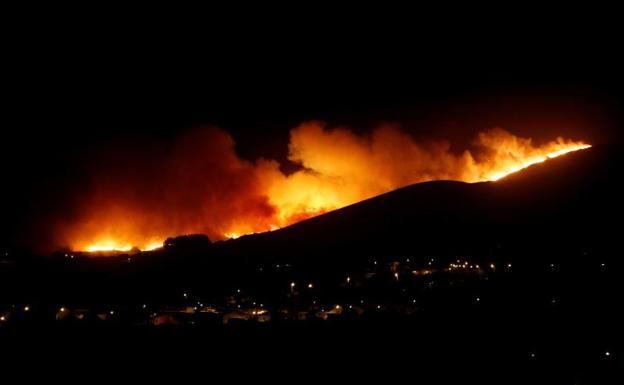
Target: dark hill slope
572, 198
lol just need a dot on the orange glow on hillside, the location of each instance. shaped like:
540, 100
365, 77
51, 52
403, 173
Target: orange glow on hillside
107, 246
204, 187
540, 156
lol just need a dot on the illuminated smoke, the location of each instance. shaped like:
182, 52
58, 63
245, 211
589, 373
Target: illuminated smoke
201, 185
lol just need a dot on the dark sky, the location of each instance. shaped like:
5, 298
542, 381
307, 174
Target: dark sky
72, 88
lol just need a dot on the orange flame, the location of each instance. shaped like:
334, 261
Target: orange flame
520, 158
204, 187
107, 245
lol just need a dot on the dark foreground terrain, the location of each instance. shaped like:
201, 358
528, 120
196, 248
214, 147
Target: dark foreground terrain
529, 319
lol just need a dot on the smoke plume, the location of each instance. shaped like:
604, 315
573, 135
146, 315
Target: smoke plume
200, 184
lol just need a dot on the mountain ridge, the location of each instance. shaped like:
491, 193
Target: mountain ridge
565, 191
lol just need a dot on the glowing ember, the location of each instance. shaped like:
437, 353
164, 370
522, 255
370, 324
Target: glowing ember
202, 186
113, 246
152, 246
108, 245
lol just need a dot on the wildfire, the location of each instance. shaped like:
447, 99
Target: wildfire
523, 163
108, 245
204, 187
152, 246
111, 245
